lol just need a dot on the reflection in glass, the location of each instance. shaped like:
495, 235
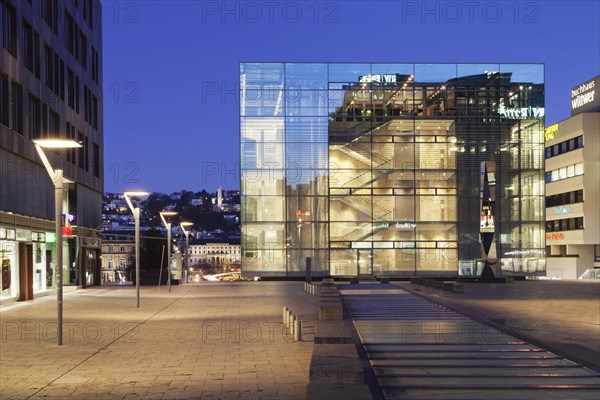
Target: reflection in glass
374, 168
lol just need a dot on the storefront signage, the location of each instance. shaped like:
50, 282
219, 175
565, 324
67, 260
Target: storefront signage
382, 79
555, 236
23, 235
405, 225
67, 230
50, 237
521, 113
562, 210
584, 97
550, 131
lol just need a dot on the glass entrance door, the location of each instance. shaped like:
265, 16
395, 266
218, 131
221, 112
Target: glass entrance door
364, 260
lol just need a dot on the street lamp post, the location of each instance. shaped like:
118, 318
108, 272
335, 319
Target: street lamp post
187, 248
136, 217
58, 180
168, 226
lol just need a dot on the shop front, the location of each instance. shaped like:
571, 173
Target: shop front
28, 260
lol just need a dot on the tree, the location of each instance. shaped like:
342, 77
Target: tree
151, 249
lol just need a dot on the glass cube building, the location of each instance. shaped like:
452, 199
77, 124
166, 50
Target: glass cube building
376, 169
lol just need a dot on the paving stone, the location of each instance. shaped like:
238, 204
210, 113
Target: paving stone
193, 341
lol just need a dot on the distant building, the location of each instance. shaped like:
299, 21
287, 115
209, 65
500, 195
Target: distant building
118, 255
214, 252
50, 86
573, 186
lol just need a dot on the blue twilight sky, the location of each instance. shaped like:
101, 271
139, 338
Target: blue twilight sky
165, 129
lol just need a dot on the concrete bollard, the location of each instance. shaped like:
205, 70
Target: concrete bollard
292, 326
285, 310
289, 319
298, 331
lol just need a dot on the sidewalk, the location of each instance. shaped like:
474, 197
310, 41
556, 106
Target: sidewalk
211, 341
563, 316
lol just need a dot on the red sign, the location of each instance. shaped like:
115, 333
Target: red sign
555, 236
67, 231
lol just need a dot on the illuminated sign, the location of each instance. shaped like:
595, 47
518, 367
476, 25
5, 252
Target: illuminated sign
521, 113
583, 97
50, 237
379, 78
562, 210
555, 236
550, 131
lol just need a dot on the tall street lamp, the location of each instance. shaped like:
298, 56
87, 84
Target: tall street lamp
136, 217
164, 214
58, 180
187, 247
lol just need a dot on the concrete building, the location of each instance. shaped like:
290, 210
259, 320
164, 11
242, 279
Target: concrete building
392, 169
573, 187
50, 86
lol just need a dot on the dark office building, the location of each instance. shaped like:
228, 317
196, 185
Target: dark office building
392, 169
50, 86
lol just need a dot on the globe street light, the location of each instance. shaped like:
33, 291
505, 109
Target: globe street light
136, 217
164, 214
187, 247
58, 180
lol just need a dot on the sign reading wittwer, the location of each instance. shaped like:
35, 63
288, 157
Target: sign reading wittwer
584, 97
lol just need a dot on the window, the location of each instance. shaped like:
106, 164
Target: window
94, 112
81, 155
4, 99
564, 147
95, 65
28, 55
88, 12
96, 160
35, 117
50, 13
70, 88
86, 153
54, 124
9, 28
564, 172
69, 32
77, 94
49, 59
17, 108
83, 52
36, 54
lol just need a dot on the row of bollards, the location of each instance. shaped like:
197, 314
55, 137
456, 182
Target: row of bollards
293, 324
311, 288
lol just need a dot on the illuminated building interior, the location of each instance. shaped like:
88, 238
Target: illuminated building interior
374, 169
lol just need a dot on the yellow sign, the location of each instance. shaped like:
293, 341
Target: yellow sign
550, 131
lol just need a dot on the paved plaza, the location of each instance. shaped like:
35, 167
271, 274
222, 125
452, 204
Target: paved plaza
563, 316
226, 340
210, 341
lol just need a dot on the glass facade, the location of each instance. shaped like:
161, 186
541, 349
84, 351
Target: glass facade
374, 169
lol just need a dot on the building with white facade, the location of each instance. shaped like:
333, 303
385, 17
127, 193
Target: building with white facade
214, 253
572, 187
